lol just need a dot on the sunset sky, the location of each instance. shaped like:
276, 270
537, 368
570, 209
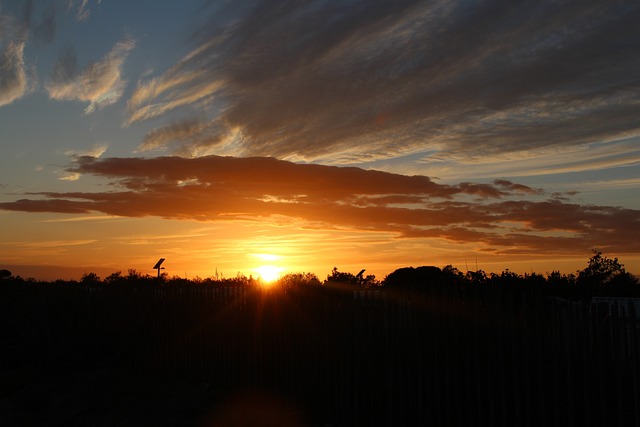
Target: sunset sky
301, 135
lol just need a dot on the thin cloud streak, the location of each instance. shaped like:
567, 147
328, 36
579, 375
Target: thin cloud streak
99, 83
96, 150
82, 11
83, 219
503, 217
556, 160
52, 243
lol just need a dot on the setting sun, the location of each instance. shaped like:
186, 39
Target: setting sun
268, 273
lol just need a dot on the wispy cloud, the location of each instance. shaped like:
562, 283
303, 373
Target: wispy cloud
615, 183
83, 218
99, 83
80, 8
53, 243
23, 23
96, 150
502, 217
369, 80
14, 33
13, 77
68, 176
188, 138
561, 159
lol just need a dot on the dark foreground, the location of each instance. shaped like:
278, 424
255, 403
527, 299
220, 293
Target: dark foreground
312, 355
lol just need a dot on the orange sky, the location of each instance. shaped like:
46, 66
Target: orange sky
306, 135
236, 215
199, 249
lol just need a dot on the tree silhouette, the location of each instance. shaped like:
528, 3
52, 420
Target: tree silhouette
341, 277
299, 279
478, 277
419, 278
114, 278
90, 279
606, 276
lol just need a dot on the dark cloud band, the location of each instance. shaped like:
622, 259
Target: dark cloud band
501, 217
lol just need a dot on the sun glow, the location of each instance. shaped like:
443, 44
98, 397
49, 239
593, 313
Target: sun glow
269, 273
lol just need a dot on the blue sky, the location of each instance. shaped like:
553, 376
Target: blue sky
517, 109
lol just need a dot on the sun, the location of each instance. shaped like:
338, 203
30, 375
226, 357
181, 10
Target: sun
268, 273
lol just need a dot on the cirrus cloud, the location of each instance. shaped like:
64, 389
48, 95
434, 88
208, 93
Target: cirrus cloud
370, 80
99, 83
13, 77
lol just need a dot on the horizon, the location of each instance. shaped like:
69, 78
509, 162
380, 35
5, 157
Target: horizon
263, 138
49, 273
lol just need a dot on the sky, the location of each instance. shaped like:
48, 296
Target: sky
283, 136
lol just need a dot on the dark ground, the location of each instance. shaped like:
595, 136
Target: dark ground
31, 395
198, 356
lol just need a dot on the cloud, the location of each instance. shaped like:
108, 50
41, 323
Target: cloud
13, 78
368, 80
96, 150
14, 31
188, 138
68, 176
503, 217
81, 8
517, 188
99, 83
53, 243
17, 25
82, 219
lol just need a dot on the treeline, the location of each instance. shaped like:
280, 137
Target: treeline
602, 276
